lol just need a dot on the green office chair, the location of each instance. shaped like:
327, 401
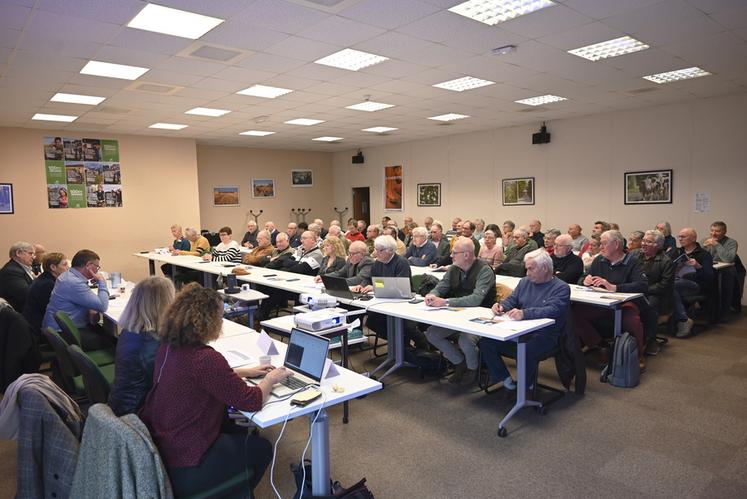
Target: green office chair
95, 383
70, 332
69, 379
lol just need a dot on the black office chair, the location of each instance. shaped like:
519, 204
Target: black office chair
95, 383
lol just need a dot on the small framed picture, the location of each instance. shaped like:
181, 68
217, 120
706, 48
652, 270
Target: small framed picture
649, 187
429, 194
226, 195
6, 199
302, 178
263, 188
518, 191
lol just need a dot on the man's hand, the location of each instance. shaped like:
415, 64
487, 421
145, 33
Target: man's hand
318, 278
497, 309
277, 375
207, 257
99, 276
710, 242
361, 289
434, 301
248, 245
602, 283
516, 314
588, 280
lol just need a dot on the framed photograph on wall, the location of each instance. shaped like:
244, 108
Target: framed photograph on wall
263, 188
302, 178
393, 188
429, 194
518, 191
227, 195
6, 199
649, 187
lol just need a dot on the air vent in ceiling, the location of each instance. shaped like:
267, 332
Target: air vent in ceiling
112, 110
214, 53
153, 88
532, 109
642, 90
330, 6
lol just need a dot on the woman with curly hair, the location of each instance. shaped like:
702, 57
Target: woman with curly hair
334, 255
185, 410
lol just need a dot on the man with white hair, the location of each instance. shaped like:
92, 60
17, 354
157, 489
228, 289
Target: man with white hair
250, 237
16, 275
513, 264
659, 271
427, 223
335, 230
539, 295
469, 282
322, 230
567, 266
262, 253
198, 244
422, 252
357, 268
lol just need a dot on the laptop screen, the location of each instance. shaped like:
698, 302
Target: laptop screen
306, 353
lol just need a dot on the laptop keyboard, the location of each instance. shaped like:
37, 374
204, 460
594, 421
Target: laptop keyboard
293, 383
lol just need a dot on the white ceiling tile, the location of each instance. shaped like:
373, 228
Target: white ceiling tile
279, 15
340, 31
243, 36
581, 36
14, 16
121, 55
716, 6
599, 9
303, 48
735, 18
190, 66
442, 26
137, 39
169, 78
548, 21
60, 27
222, 9
110, 11
394, 45
248, 76
388, 14
394, 69
270, 62
217, 84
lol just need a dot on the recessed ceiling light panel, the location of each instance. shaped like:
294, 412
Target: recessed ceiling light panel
462, 84
256, 133
328, 139
492, 12
449, 117
110, 70
541, 99
207, 111
679, 74
89, 100
53, 117
352, 60
173, 22
369, 106
379, 129
168, 126
610, 48
304, 122
264, 91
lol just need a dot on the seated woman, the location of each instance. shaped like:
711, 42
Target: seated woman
491, 250
334, 255
592, 252
227, 250
138, 343
185, 410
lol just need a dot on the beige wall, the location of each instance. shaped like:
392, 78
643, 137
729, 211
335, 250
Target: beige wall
579, 176
221, 166
159, 184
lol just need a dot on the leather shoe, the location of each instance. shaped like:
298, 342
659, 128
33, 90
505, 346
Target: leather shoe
459, 372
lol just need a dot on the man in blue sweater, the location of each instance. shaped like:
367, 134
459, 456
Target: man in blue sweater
539, 295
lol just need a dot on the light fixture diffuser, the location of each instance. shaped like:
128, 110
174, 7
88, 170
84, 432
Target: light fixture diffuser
369, 106
379, 129
54, 117
173, 22
352, 60
111, 70
328, 139
541, 99
264, 91
207, 111
304, 122
168, 126
449, 117
610, 48
492, 12
256, 133
679, 74
462, 84
88, 100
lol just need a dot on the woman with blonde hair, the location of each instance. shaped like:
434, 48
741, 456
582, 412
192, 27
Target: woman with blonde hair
334, 255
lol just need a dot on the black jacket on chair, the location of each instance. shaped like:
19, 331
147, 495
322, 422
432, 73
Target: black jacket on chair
569, 360
14, 284
19, 351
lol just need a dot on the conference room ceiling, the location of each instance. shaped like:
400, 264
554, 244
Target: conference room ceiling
44, 44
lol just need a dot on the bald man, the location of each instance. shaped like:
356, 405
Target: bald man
567, 266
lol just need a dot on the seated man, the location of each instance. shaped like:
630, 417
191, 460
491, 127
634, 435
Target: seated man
456, 228
282, 252
36, 265
334, 230
16, 275
507, 234
659, 271
513, 264
548, 242
443, 249
392, 231
227, 250
41, 289
566, 265
72, 295
724, 249
250, 237
615, 271
635, 239
469, 282
353, 234
579, 240
539, 295
372, 232
670, 243
535, 232
468, 231
198, 244
357, 268
262, 253
272, 230
294, 238
389, 264
422, 252
427, 223
693, 275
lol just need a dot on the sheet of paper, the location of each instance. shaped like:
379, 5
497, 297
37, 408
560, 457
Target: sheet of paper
236, 358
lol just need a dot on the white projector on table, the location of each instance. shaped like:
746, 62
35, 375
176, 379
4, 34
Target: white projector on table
320, 319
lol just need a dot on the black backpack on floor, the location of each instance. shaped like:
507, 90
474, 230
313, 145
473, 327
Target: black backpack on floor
623, 370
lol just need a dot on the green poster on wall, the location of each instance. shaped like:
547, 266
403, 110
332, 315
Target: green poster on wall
55, 172
77, 194
110, 151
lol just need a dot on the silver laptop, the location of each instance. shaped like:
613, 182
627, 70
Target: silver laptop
305, 358
392, 287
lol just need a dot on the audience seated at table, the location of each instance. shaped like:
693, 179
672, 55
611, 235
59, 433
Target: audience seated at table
137, 344
272, 230
250, 237
491, 250
421, 252
443, 248
479, 229
456, 228
16, 275
507, 234
468, 231
693, 276
513, 264
335, 230
179, 243
198, 244
262, 252
227, 250
322, 231
40, 291
353, 234
185, 411
635, 239
567, 266
334, 255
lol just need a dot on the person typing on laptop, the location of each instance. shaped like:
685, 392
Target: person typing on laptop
357, 268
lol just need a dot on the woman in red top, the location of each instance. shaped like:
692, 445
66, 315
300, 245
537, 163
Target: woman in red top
185, 410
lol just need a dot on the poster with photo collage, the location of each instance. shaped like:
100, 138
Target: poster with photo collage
82, 173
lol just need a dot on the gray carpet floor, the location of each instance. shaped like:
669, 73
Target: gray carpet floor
681, 433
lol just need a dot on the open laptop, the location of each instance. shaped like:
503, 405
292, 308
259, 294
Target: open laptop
338, 287
392, 287
305, 358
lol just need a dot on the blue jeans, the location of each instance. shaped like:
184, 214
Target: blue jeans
538, 345
682, 288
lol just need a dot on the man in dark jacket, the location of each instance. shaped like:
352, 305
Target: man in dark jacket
567, 266
693, 275
16, 275
357, 268
40, 290
659, 271
513, 264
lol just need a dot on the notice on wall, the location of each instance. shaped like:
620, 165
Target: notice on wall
82, 173
702, 202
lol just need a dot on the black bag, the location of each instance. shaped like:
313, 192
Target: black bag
427, 284
623, 370
357, 491
428, 363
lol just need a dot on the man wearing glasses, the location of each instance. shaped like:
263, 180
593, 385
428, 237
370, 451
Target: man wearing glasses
16, 275
357, 268
72, 295
659, 271
513, 264
567, 266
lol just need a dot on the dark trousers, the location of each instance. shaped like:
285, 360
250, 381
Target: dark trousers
584, 317
538, 346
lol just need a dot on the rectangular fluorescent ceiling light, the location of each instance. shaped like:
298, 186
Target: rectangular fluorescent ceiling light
610, 48
110, 70
168, 126
369, 106
327, 139
492, 12
264, 91
352, 60
449, 117
462, 84
379, 129
679, 74
89, 100
304, 122
256, 133
207, 111
539, 100
173, 22
54, 117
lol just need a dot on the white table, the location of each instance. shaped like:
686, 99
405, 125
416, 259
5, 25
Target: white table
353, 385
250, 297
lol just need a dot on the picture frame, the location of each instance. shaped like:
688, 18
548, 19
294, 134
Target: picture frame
393, 188
518, 191
226, 195
7, 205
429, 194
302, 178
648, 187
263, 188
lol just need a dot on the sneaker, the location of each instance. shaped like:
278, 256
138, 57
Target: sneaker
459, 371
652, 347
684, 329
509, 384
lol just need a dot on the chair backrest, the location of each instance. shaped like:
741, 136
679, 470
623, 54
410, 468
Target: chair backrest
64, 362
96, 385
69, 330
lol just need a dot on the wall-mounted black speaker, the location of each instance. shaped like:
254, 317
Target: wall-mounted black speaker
541, 137
358, 159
